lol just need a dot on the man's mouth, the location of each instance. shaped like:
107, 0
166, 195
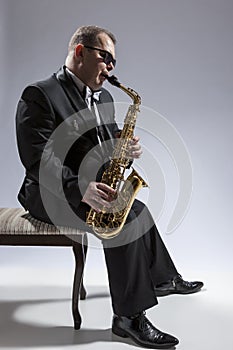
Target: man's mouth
104, 74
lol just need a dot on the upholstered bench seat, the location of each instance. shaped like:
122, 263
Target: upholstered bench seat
19, 228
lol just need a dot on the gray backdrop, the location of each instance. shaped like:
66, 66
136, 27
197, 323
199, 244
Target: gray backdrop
178, 54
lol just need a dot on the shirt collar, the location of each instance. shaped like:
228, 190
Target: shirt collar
85, 91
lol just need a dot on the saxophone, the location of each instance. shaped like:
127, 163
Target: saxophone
109, 222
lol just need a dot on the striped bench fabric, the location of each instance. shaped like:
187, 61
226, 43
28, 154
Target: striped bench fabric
18, 221
19, 228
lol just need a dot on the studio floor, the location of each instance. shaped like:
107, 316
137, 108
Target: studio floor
35, 314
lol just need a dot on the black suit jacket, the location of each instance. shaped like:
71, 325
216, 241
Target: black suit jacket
58, 146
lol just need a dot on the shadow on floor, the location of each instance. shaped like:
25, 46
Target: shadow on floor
17, 334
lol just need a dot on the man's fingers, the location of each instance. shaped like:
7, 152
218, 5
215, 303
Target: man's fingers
134, 140
102, 194
105, 188
135, 150
98, 204
99, 195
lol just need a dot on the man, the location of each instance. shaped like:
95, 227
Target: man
57, 114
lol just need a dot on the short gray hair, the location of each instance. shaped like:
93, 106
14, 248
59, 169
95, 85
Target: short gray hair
88, 35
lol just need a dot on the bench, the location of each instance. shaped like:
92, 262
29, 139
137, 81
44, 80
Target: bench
19, 228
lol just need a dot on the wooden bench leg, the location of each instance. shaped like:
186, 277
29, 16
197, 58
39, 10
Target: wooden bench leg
83, 292
80, 250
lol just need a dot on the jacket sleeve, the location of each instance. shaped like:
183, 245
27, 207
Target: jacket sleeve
35, 127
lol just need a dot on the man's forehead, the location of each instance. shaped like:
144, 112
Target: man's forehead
106, 42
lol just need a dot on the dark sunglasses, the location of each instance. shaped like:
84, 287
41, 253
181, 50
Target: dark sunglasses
107, 56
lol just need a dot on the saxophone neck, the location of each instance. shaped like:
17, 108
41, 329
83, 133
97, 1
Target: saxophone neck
130, 92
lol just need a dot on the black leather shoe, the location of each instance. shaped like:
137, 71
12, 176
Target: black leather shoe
178, 286
142, 332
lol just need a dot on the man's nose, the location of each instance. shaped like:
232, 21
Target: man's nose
110, 66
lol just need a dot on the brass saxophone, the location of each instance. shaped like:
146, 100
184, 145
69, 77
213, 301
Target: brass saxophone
109, 222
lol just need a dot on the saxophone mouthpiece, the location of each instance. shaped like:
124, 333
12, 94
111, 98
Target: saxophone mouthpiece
112, 80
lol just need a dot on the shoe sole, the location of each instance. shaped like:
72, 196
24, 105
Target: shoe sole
123, 334
163, 294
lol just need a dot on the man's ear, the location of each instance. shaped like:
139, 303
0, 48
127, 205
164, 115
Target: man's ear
79, 50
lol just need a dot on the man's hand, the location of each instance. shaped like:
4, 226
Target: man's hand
135, 149
98, 195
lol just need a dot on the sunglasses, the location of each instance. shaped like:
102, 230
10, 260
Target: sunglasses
107, 56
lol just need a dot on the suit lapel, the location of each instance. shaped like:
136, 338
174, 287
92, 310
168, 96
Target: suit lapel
71, 90
77, 101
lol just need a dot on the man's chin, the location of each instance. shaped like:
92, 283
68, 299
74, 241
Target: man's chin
98, 86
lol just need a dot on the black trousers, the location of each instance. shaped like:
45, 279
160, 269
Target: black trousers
137, 260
